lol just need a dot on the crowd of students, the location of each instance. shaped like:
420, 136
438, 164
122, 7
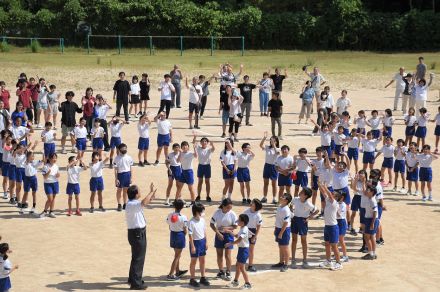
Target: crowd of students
342, 194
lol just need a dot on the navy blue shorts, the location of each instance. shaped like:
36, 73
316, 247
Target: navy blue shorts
30, 183
387, 132
375, 133
163, 140
51, 188
11, 172
299, 226
243, 255
315, 180
49, 148
81, 144
346, 132
399, 166
342, 227
388, 162
284, 180
243, 174
176, 172
72, 189
177, 239
379, 211
346, 191
425, 174
362, 215
270, 172
367, 222
1, 160
143, 143
339, 149
285, 239
332, 145
5, 284
330, 188
420, 132
227, 238
115, 142
331, 233
227, 175
5, 169
437, 130
412, 175
360, 131
368, 157
410, 131
98, 143
356, 203
124, 179
96, 184
328, 149
353, 153
204, 170
187, 177
253, 240
200, 246
301, 179
19, 174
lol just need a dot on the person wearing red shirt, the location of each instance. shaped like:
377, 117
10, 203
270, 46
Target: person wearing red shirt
34, 88
4, 95
88, 104
24, 96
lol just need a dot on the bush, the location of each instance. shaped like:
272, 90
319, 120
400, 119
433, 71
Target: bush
4, 47
35, 46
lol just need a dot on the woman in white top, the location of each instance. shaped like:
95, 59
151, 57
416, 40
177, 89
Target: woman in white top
166, 89
269, 171
228, 159
421, 93
235, 100
135, 100
266, 85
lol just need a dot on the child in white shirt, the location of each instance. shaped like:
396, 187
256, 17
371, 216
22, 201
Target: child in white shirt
73, 187
135, 91
96, 182
144, 139
343, 103
51, 187
244, 158
204, 168
97, 133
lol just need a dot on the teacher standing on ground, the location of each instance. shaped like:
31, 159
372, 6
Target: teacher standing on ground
137, 237
176, 77
317, 80
400, 87
121, 94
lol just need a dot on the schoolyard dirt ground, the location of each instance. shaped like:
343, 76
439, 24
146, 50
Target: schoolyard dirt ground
91, 253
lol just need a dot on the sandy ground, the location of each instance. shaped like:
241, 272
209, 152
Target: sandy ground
91, 253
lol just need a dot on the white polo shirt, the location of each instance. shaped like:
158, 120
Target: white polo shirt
330, 212
388, 151
204, 155
96, 169
186, 160
97, 132
220, 219
115, 130
303, 210
196, 228
179, 225
255, 218
73, 174
163, 127
48, 136
134, 214
123, 163
244, 234
283, 215
143, 130
79, 132
228, 158
51, 178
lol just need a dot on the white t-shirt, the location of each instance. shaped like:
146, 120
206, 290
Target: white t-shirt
123, 163
424, 160
196, 228
204, 155
271, 154
411, 159
329, 102
96, 169
186, 160
421, 92
326, 138
97, 132
244, 234
163, 127
220, 219
235, 107
195, 93
165, 92
115, 130
102, 111
172, 159
228, 158
340, 179
134, 214
243, 159
255, 218
421, 121
374, 123
143, 130
330, 212
31, 168
400, 84
388, 121
370, 207
401, 152
437, 119
180, 224
410, 120
342, 211
303, 210
73, 174
51, 178
283, 215
342, 105
5, 268
18, 132
79, 132
48, 136
266, 85
135, 88
326, 177
20, 160
369, 145
284, 162
339, 139
388, 151
361, 122
302, 165
353, 142
319, 164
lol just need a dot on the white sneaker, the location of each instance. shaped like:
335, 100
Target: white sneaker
336, 266
408, 193
416, 193
326, 264
43, 214
344, 259
402, 190
233, 284
21, 211
52, 215
5, 195
395, 189
32, 211
39, 126
430, 198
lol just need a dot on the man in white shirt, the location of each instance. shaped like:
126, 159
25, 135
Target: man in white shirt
166, 88
136, 223
400, 86
317, 80
195, 95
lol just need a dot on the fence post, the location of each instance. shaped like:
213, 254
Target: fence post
119, 44
212, 45
151, 44
242, 45
62, 45
31, 41
88, 44
181, 45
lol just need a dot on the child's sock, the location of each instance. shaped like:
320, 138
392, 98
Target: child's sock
33, 205
430, 193
111, 161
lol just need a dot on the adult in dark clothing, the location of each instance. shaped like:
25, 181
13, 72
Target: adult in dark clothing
137, 237
68, 111
224, 108
246, 91
121, 94
275, 107
176, 77
278, 79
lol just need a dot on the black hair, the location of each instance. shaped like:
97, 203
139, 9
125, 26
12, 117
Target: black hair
374, 112
144, 75
307, 192
361, 112
134, 78
244, 218
232, 144
82, 119
258, 204
167, 76
344, 165
426, 147
202, 77
4, 248
245, 145
121, 73
275, 93
175, 145
70, 93
363, 171
285, 147
132, 192
423, 110
302, 150
389, 112
389, 137
178, 205
2, 83
94, 154
346, 113
204, 139
342, 194
277, 142
225, 202
122, 145
372, 189
48, 124
184, 143
52, 155
245, 76
423, 81
319, 149
71, 158
288, 197
29, 154
197, 208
